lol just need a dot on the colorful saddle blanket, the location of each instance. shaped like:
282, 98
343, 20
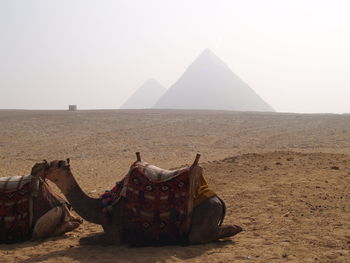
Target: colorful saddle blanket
158, 204
15, 208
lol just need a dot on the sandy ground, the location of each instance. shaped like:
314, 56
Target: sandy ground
285, 178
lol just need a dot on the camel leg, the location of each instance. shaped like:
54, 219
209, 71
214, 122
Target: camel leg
56, 221
45, 226
229, 230
205, 223
68, 223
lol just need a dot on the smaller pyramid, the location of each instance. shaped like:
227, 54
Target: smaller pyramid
146, 96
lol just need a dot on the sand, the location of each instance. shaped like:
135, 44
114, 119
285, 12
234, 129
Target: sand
285, 178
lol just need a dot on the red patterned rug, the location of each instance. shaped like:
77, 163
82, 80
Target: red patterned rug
156, 207
15, 209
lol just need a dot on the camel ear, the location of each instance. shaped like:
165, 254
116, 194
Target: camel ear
68, 160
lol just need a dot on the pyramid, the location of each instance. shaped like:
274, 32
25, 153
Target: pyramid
208, 83
145, 96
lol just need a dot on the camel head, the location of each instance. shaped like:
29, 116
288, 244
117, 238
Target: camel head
39, 170
57, 171
46, 169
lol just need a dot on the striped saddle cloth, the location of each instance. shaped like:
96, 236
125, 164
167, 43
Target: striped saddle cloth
16, 207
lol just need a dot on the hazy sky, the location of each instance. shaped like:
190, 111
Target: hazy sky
294, 53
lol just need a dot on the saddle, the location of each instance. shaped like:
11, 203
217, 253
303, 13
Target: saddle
16, 207
158, 203
156, 174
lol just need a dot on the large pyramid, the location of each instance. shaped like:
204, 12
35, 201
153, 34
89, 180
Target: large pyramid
145, 96
208, 83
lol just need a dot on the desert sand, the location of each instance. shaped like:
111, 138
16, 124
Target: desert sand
285, 178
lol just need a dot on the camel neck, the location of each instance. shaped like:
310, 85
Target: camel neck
87, 207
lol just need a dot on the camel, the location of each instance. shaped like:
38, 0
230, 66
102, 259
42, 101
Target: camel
203, 222
30, 210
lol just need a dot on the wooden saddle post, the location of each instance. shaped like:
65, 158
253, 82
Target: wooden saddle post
138, 156
195, 163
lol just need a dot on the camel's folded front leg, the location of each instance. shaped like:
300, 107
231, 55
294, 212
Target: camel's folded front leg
55, 222
68, 222
206, 223
46, 225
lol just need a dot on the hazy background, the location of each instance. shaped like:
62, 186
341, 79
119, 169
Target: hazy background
294, 54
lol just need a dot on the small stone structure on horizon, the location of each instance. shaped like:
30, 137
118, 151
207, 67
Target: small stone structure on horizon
72, 107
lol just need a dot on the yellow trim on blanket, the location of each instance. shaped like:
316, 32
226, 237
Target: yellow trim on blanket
203, 192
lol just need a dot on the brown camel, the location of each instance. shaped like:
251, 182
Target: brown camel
206, 217
29, 209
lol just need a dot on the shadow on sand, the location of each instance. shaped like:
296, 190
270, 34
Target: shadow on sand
28, 243
93, 254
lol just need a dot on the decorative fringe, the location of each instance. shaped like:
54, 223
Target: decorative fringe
108, 199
